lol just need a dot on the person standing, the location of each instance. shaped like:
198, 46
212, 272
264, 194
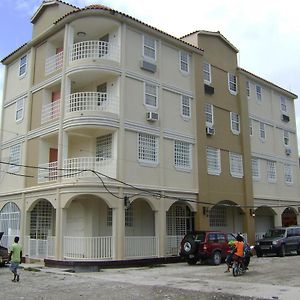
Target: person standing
15, 258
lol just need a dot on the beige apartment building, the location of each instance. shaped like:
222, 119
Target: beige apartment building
99, 137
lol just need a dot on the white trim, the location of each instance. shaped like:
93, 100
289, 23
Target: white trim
149, 106
173, 135
218, 170
207, 72
269, 169
148, 58
21, 66
184, 72
209, 124
21, 103
236, 165
234, 131
232, 92
136, 127
189, 106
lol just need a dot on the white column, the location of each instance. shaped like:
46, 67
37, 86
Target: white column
118, 222
160, 228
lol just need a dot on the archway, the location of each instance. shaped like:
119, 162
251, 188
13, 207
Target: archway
289, 217
264, 220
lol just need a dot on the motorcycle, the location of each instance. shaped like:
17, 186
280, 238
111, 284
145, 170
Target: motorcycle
238, 266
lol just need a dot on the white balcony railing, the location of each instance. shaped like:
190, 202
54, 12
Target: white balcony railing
50, 111
141, 246
88, 247
92, 101
41, 248
95, 50
47, 172
54, 63
172, 244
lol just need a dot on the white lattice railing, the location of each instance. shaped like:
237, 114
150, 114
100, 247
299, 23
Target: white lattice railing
95, 50
54, 63
92, 101
41, 248
73, 166
141, 246
172, 244
50, 111
88, 247
47, 172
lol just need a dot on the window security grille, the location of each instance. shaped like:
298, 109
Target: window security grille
255, 168
236, 165
182, 154
104, 147
288, 174
147, 148
213, 161
218, 217
271, 171
15, 158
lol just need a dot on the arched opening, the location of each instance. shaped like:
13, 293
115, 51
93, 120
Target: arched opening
10, 217
289, 217
264, 220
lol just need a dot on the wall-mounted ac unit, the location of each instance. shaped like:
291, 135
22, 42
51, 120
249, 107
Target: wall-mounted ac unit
210, 130
151, 116
285, 118
288, 151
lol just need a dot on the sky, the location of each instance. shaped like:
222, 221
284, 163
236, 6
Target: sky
267, 33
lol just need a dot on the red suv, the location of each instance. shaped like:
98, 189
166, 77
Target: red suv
205, 245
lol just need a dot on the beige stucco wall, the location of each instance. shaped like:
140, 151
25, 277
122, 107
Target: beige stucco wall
39, 66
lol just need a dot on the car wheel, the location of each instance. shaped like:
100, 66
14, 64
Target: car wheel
216, 258
192, 262
282, 251
189, 246
259, 254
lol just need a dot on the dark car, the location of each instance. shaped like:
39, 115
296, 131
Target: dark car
3, 252
205, 245
279, 241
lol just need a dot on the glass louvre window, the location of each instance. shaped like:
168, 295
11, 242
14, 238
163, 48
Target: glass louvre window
213, 161
15, 158
23, 65
248, 88
104, 147
288, 174
149, 47
251, 127
185, 106
217, 217
255, 168
258, 93
271, 171
236, 165
207, 73
232, 83
151, 95
286, 138
129, 216
109, 217
184, 61
262, 130
283, 106
209, 114
19, 110
182, 155
147, 148
235, 122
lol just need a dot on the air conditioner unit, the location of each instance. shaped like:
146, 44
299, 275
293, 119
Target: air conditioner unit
151, 116
288, 151
210, 130
285, 118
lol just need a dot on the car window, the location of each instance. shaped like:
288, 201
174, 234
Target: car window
221, 238
200, 237
273, 233
290, 232
297, 231
212, 237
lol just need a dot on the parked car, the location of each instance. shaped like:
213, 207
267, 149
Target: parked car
279, 241
205, 245
3, 252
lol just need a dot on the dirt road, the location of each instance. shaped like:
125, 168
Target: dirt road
268, 278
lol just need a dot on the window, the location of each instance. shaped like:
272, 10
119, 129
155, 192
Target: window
271, 171
147, 148
258, 93
207, 73
236, 165
251, 127
109, 217
255, 162
248, 88
262, 131
19, 110
129, 216
286, 138
213, 161
217, 217
283, 106
23, 65
183, 155
184, 61
104, 147
235, 122
149, 47
185, 106
288, 174
151, 98
232, 84
15, 158
209, 114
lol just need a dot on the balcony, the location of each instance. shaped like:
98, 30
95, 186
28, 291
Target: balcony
92, 101
47, 172
54, 63
95, 50
50, 111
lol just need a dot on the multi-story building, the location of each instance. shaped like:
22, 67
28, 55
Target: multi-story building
274, 150
98, 137
226, 180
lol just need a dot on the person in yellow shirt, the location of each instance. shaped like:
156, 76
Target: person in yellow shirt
15, 258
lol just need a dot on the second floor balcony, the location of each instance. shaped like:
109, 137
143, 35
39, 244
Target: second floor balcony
50, 111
